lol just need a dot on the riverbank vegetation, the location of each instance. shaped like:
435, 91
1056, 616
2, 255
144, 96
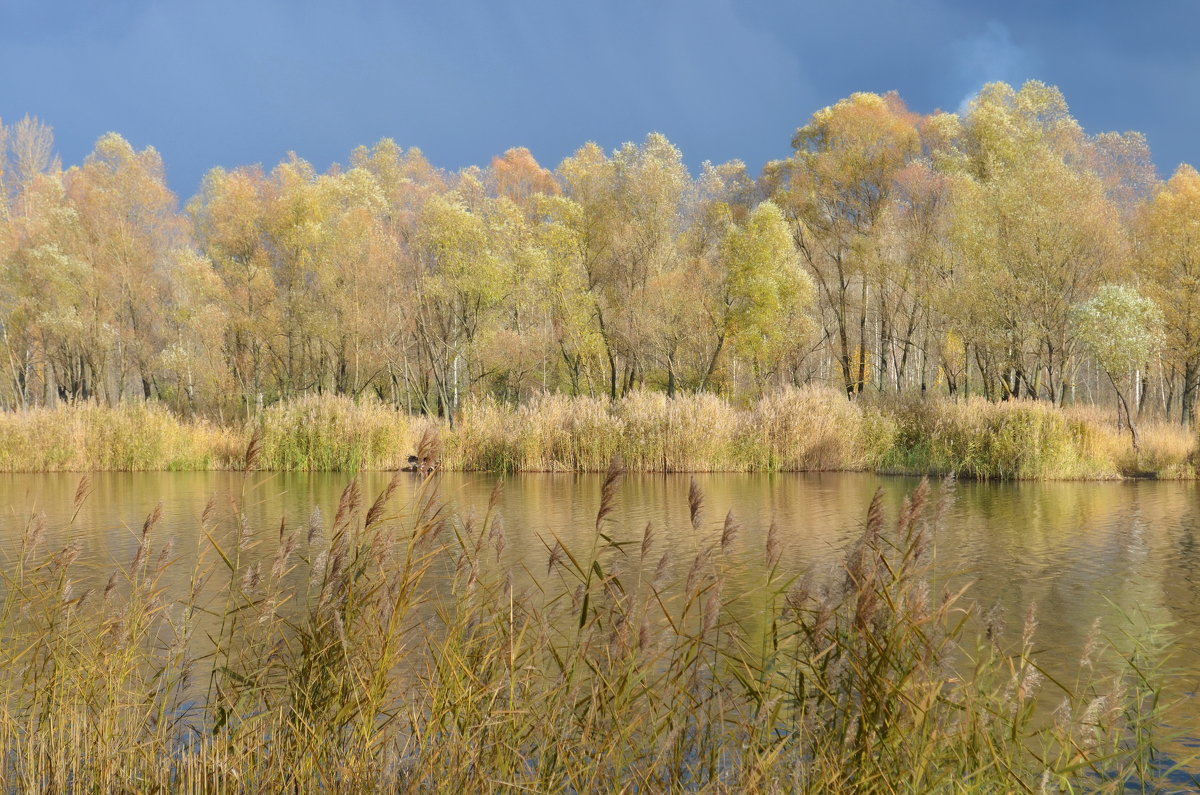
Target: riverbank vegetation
790, 430
886, 253
392, 648
134, 436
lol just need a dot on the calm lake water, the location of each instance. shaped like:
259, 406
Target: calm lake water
1126, 552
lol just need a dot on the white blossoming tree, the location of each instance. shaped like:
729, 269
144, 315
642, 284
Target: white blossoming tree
1122, 328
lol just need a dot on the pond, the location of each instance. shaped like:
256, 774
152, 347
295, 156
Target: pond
1126, 552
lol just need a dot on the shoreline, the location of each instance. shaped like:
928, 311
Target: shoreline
934, 476
792, 430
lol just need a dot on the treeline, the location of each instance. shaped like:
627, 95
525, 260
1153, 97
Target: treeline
999, 252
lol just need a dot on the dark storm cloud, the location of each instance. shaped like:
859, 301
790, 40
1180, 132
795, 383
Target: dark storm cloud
226, 83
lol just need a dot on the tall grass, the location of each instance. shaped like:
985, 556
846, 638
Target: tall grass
557, 433
809, 429
329, 433
1015, 439
791, 430
1023, 439
130, 436
814, 429
392, 650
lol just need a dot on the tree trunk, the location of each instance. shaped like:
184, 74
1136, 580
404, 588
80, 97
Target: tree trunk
712, 363
1187, 400
1134, 437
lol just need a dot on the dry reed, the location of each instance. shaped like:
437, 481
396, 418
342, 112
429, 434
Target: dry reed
389, 655
790, 430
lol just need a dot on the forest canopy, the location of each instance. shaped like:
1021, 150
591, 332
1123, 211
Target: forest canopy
884, 251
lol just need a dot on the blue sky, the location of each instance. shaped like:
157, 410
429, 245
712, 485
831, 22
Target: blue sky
230, 82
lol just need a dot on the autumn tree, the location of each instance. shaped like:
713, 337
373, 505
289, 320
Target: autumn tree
1168, 254
408, 180
519, 177
834, 190
762, 296
561, 282
461, 284
228, 217
128, 228
31, 143
1036, 234
49, 331
627, 231
192, 372
916, 280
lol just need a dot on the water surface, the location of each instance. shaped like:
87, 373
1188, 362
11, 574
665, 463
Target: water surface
1126, 552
